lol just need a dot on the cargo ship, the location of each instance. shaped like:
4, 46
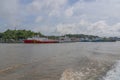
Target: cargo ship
40, 40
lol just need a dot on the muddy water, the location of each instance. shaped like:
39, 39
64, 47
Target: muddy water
66, 61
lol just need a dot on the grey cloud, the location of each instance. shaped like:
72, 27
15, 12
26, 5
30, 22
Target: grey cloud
53, 13
9, 10
100, 28
89, 0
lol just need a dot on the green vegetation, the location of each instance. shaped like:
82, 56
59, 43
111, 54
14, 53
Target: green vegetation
16, 35
81, 36
11, 36
74, 36
24, 34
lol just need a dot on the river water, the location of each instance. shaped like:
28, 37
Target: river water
64, 61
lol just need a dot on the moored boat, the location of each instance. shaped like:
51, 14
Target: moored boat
40, 40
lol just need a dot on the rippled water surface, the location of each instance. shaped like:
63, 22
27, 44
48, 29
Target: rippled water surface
66, 61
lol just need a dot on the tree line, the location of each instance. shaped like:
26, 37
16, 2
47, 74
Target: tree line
18, 34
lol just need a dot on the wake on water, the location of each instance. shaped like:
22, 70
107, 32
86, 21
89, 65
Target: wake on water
113, 74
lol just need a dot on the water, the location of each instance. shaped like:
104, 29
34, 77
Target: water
65, 61
114, 73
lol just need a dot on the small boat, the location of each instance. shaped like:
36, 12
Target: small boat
64, 39
40, 40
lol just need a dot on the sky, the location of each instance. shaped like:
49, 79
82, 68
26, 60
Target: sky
59, 17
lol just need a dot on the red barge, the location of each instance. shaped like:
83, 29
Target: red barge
40, 40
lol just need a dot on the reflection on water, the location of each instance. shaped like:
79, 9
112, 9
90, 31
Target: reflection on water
67, 61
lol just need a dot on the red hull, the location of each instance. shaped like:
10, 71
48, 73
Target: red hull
38, 41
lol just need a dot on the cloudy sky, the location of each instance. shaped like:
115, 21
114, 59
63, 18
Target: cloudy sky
51, 17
